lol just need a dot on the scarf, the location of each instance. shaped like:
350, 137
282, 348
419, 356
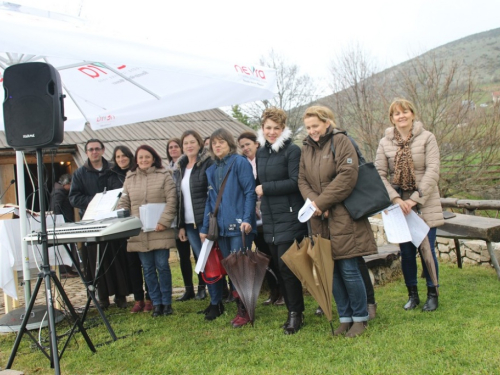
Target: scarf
404, 170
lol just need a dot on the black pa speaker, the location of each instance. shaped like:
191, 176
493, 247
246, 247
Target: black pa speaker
33, 109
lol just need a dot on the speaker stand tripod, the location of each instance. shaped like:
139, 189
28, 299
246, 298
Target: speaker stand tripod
48, 276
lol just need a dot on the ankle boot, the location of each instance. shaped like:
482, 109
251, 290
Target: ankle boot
432, 300
188, 294
215, 311
157, 311
274, 295
342, 328
413, 300
372, 310
296, 322
202, 293
167, 310
357, 329
242, 317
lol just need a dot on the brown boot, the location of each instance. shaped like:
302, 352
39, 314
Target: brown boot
372, 311
342, 328
357, 329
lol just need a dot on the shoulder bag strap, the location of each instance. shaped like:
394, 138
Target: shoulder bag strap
221, 190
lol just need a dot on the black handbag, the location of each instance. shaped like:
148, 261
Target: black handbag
369, 196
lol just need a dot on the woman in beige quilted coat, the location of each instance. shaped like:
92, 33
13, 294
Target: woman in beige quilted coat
149, 182
408, 162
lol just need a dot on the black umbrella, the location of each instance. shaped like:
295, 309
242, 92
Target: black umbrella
247, 269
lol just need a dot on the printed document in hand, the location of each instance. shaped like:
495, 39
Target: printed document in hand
401, 228
204, 253
306, 212
150, 215
104, 202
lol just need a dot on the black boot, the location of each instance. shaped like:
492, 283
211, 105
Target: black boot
202, 293
432, 300
167, 310
413, 300
157, 311
188, 294
296, 322
215, 311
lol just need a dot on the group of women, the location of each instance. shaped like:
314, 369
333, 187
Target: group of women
269, 184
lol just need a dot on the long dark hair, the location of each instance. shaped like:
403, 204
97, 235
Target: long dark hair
127, 152
157, 158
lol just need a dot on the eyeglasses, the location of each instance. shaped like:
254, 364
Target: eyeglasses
97, 149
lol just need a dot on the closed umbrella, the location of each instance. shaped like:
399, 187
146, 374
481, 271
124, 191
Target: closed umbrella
247, 269
425, 252
312, 263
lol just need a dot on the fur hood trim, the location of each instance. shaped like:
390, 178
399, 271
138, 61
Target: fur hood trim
280, 142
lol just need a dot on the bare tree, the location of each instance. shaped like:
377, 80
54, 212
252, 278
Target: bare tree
444, 93
445, 96
358, 99
295, 90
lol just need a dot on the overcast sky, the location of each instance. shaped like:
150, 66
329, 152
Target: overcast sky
308, 33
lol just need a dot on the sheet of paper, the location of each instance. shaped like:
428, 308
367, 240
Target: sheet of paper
395, 225
204, 253
306, 212
104, 202
418, 228
150, 215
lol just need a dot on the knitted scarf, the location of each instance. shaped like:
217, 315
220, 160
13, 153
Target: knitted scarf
404, 170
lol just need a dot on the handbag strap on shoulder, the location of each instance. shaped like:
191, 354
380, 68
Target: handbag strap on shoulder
221, 190
360, 155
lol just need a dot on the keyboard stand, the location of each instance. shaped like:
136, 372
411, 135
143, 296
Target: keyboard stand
90, 285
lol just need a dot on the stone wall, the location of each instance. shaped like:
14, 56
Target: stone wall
472, 252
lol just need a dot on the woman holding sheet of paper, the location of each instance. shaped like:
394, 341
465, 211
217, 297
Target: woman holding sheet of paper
327, 179
192, 187
149, 182
408, 162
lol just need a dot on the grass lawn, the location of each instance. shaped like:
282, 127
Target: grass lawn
461, 337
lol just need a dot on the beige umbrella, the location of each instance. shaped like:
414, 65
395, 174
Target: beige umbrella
312, 263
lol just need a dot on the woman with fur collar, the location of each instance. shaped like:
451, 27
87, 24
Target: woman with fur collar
277, 185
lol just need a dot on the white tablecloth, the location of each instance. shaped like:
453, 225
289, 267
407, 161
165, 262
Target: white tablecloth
11, 257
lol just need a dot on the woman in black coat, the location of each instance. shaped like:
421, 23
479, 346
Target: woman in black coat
277, 174
192, 186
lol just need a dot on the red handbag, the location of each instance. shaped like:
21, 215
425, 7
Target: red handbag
214, 270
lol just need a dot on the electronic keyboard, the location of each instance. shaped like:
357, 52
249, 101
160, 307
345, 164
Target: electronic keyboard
90, 231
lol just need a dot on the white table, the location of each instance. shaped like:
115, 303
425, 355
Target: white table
11, 259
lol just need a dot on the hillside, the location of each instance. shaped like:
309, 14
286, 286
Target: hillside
479, 51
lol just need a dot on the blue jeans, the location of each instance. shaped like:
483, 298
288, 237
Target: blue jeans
193, 235
349, 291
157, 275
409, 261
227, 245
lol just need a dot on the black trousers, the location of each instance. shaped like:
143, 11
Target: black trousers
272, 282
136, 277
184, 250
290, 286
370, 293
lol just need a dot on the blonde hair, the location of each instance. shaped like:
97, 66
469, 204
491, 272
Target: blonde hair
401, 103
323, 113
277, 115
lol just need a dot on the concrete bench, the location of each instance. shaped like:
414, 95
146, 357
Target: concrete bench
472, 227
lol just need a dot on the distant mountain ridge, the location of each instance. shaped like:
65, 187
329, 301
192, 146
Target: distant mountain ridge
480, 51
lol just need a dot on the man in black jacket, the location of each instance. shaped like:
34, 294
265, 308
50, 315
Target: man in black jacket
88, 180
